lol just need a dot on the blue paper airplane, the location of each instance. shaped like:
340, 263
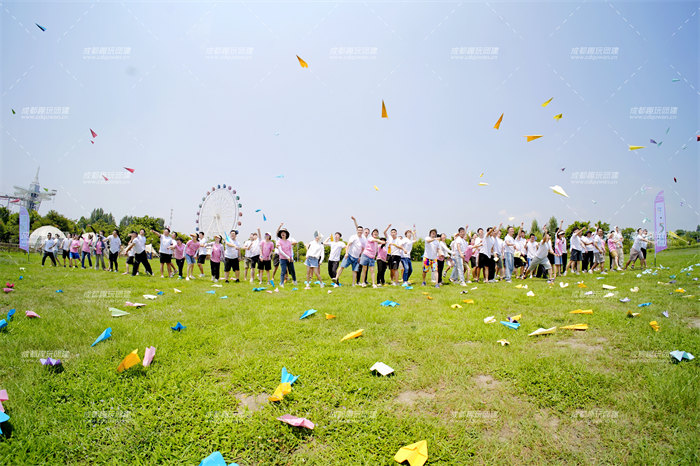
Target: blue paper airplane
59, 291
40, 27
513, 325
287, 377
178, 327
215, 459
390, 303
259, 289
681, 355
308, 313
10, 313
644, 305
103, 336
3, 324
160, 293
224, 297
211, 292
3, 418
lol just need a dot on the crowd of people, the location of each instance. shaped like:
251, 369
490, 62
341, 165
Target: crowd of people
486, 255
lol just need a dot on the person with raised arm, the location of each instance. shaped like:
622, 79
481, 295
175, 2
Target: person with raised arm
231, 256
336, 244
430, 254
356, 244
165, 251
368, 258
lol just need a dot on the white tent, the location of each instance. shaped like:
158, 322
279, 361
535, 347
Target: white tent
36, 239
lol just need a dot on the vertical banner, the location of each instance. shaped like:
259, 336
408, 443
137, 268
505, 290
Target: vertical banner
660, 234
23, 229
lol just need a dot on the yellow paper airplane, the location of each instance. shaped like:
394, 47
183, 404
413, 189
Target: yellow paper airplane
456, 306
416, 453
302, 62
503, 342
532, 137
582, 311
352, 335
632, 314
655, 325
498, 123
130, 360
543, 331
679, 290
575, 327
636, 147
483, 184
516, 318
490, 320
468, 301
582, 285
281, 390
558, 117
176, 290
375, 188
482, 175
558, 190
635, 289
329, 316
547, 103
384, 114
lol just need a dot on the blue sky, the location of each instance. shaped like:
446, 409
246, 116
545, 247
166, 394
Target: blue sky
186, 118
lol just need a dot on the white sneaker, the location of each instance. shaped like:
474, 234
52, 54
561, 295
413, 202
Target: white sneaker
374, 286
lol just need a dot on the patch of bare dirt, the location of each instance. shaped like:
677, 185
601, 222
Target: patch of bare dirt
579, 344
694, 322
251, 403
410, 397
485, 381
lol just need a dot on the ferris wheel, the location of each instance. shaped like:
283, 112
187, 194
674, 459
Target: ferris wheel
219, 212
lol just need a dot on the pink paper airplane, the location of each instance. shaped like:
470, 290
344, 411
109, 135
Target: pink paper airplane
296, 421
31, 314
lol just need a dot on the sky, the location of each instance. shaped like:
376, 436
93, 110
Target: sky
192, 95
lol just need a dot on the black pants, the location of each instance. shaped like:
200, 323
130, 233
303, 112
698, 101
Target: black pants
563, 263
180, 263
113, 264
141, 258
50, 256
587, 260
359, 274
440, 267
487, 262
381, 271
333, 268
215, 266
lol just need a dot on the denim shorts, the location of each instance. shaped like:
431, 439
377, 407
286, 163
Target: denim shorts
348, 261
366, 261
311, 262
190, 259
74, 255
557, 260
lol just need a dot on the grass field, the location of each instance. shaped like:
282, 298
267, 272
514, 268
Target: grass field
606, 395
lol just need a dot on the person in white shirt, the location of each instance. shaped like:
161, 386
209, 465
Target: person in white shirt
520, 256
115, 244
620, 245
486, 254
49, 243
314, 257
252, 255
531, 248
165, 251
478, 245
544, 248
231, 253
430, 254
406, 244
587, 241
636, 250
140, 257
498, 248
66, 247
576, 250
599, 250
356, 244
393, 254
459, 247
444, 254
509, 252
201, 253
337, 245
649, 239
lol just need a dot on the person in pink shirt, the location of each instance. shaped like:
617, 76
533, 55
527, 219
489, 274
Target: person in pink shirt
559, 251
266, 248
612, 250
178, 248
284, 245
368, 257
217, 253
86, 244
191, 249
381, 263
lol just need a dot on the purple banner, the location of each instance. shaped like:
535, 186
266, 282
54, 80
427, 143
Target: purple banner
23, 229
660, 235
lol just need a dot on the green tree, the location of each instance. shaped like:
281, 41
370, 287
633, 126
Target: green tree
418, 250
59, 221
552, 224
604, 225
535, 228
5, 215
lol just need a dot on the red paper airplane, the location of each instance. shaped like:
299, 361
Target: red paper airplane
106, 179
94, 134
129, 169
92, 142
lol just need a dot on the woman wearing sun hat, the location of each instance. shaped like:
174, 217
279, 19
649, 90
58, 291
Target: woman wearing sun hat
286, 256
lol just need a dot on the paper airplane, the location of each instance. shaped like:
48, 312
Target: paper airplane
150, 296
94, 134
498, 123
547, 102
43, 29
644, 305
543, 331
148, 355
530, 293
456, 306
329, 316
31, 314
558, 190
381, 368
636, 147
490, 320
503, 342
215, 459
130, 304
59, 291
50, 362
625, 300
632, 314
582, 285
575, 327
665, 314
103, 336
3, 324
259, 289
8, 290
515, 318
302, 62
175, 290
129, 169
10, 313
609, 295
563, 285
130, 360
416, 453
609, 287
675, 80
532, 137
117, 312
390, 303
681, 355
296, 421
582, 311
286, 377
511, 325
178, 327
652, 141
281, 390
558, 117
210, 292
384, 114
510, 219
106, 179
655, 325
352, 335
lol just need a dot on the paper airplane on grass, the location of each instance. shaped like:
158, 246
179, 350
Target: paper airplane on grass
515, 318
210, 292
468, 301
390, 303
352, 335
575, 327
296, 421
635, 289
609, 295
281, 390
215, 459
655, 325
582, 311
148, 355
416, 453
130, 304
563, 285
511, 325
150, 296
308, 313
50, 362
103, 336
3, 418
625, 300
31, 314
632, 314
503, 342
117, 312
530, 293
10, 313
178, 327
543, 331
490, 320
679, 356
3, 324
456, 306
609, 287
130, 360
665, 313
381, 368
329, 316
644, 305
287, 377
259, 289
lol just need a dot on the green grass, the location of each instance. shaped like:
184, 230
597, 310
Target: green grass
608, 395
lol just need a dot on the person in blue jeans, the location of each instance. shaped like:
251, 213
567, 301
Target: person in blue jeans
407, 246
